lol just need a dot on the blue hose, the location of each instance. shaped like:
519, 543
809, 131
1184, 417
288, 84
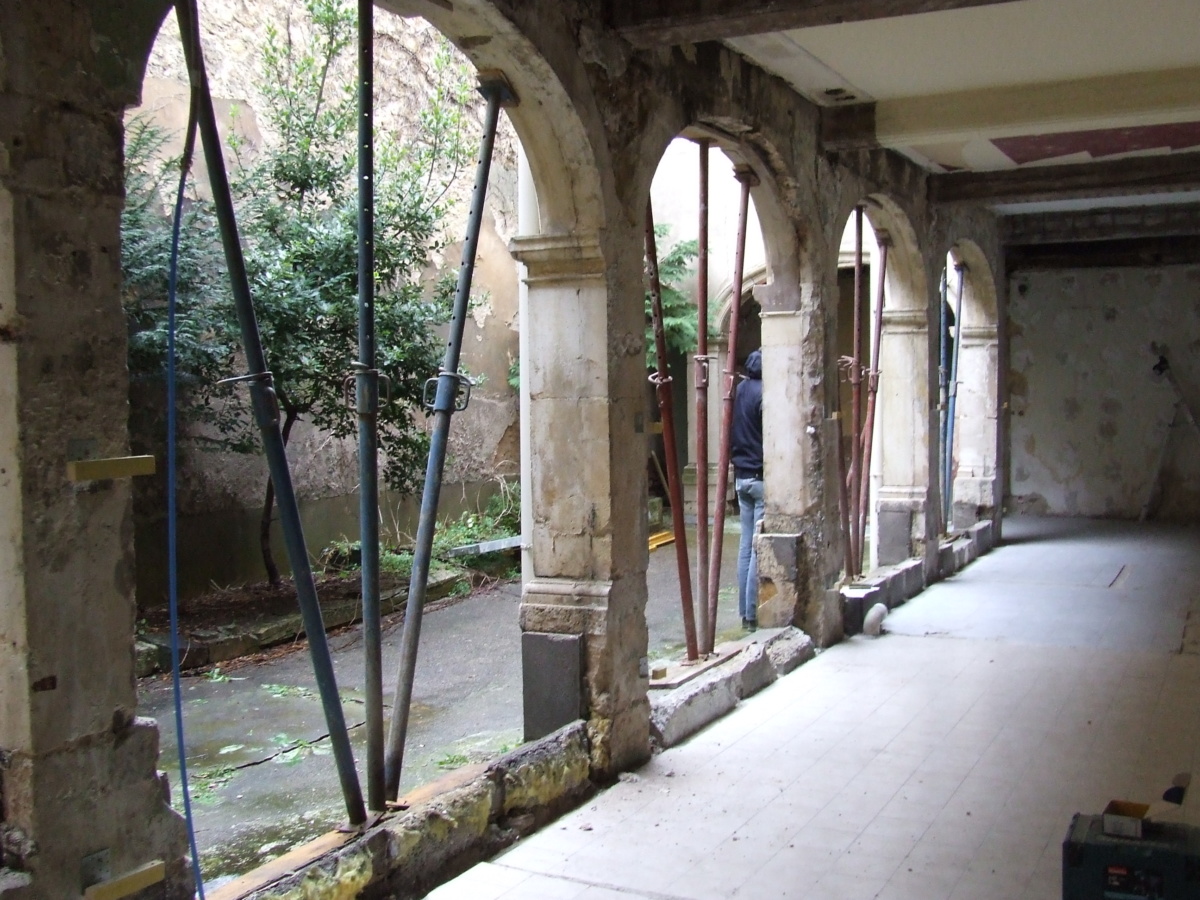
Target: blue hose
172, 512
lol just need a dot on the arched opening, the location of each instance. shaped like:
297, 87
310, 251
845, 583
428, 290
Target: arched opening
768, 291
567, 223
676, 200
969, 441
891, 501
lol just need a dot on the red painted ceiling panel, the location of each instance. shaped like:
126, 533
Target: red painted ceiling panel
1101, 143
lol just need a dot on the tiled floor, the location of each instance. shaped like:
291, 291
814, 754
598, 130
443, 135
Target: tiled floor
944, 760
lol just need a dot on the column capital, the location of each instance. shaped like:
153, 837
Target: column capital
905, 320
558, 258
980, 334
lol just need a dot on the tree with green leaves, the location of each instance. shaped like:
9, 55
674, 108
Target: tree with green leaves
296, 200
679, 312
203, 344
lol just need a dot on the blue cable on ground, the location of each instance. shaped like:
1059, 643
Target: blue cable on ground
172, 556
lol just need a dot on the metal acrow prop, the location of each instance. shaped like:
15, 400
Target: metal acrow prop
662, 388
855, 475
748, 180
445, 394
366, 402
702, 361
948, 461
266, 416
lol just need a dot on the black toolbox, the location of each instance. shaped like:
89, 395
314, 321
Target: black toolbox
1163, 864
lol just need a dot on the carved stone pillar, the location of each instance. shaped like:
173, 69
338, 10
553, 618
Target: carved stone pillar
588, 484
794, 562
82, 800
902, 436
976, 488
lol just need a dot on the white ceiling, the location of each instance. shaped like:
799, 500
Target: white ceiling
1023, 43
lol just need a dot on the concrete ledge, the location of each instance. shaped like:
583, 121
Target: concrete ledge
678, 714
479, 813
790, 650
682, 712
213, 645
894, 585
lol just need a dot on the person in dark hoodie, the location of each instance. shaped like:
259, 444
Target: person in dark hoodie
746, 453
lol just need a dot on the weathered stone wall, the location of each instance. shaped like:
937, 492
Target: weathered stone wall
1091, 431
77, 771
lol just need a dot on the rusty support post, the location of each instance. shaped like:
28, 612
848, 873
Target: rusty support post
746, 176
662, 386
843, 490
864, 497
701, 376
856, 399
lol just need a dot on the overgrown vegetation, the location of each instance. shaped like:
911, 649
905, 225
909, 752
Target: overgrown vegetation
204, 344
296, 200
679, 312
499, 518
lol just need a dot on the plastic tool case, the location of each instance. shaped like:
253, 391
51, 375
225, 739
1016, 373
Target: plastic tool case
1163, 864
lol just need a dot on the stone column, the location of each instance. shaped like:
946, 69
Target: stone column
82, 802
792, 549
902, 422
976, 491
903, 431
588, 484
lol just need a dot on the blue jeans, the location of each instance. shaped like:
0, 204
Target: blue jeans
750, 502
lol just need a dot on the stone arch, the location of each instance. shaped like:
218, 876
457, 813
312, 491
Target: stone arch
900, 472
552, 133
586, 517
790, 342
976, 488
556, 140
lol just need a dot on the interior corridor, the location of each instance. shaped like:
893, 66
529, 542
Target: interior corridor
943, 760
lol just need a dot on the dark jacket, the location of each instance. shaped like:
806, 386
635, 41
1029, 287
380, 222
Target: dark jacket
746, 446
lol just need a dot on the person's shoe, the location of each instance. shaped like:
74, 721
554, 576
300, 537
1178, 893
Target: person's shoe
749, 624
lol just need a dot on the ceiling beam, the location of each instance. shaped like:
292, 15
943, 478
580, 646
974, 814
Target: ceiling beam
1110, 224
1110, 101
1115, 178
1137, 253
647, 23
848, 127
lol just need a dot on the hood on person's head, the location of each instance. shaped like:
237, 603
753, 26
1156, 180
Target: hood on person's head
754, 365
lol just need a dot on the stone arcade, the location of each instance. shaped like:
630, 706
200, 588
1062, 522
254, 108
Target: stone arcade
948, 167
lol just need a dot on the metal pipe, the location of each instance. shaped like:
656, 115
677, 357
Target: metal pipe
746, 176
864, 497
856, 397
448, 382
266, 415
701, 376
948, 501
943, 392
366, 396
843, 491
662, 386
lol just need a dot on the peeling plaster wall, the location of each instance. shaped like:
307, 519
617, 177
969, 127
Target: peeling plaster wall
1090, 421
